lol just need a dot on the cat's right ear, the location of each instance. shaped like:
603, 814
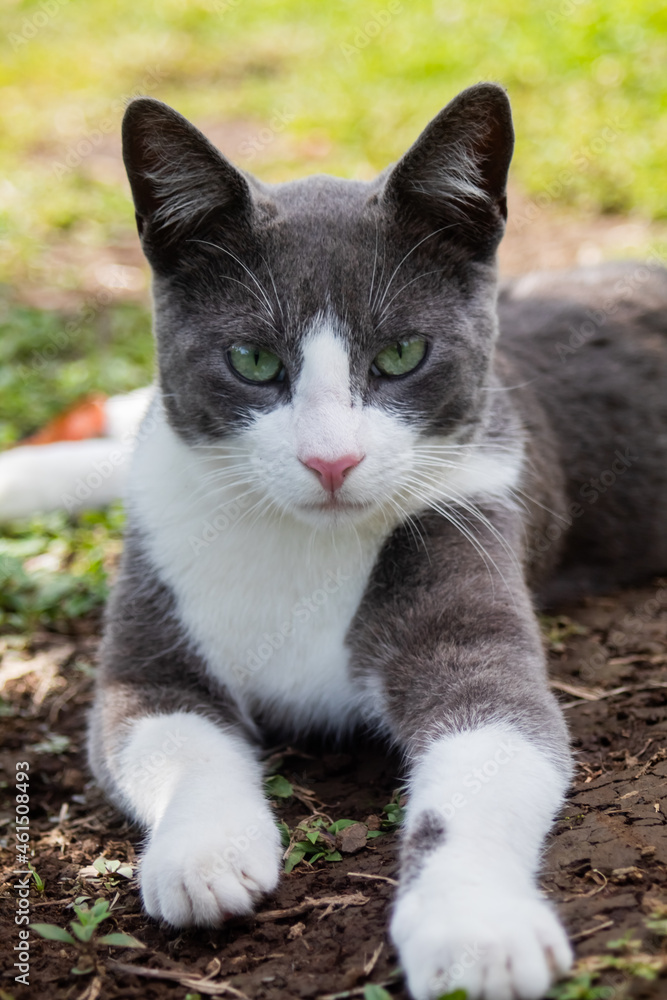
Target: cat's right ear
179, 180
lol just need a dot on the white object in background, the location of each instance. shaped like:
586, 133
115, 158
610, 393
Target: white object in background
73, 475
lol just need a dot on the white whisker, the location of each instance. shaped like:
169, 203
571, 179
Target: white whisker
549, 510
375, 260
448, 493
245, 267
385, 315
403, 259
275, 290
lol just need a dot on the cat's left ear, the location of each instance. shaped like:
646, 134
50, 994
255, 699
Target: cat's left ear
455, 175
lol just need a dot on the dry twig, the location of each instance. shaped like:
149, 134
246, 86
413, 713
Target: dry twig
330, 902
377, 878
202, 984
592, 930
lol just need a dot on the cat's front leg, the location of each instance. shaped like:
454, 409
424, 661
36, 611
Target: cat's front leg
213, 846
468, 913
452, 654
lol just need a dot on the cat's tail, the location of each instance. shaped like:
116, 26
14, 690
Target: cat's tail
78, 462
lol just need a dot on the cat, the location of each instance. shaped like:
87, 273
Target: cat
344, 497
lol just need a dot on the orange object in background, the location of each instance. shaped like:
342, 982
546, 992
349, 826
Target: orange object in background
86, 419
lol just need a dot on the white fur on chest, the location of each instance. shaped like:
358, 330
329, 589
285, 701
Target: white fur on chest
266, 600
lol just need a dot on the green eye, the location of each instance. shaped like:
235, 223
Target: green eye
399, 358
254, 363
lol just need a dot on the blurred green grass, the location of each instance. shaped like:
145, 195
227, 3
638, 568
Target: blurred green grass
365, 88
49, 359
347, 85
354, 83
54, 570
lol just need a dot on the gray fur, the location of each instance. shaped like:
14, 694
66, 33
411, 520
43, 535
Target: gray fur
429, 834
148, 666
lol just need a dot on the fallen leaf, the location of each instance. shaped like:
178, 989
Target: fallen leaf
352, 838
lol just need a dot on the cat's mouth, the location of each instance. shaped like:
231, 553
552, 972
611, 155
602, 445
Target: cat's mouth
332, 510
334, 503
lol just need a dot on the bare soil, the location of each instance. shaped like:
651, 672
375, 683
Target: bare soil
324, 931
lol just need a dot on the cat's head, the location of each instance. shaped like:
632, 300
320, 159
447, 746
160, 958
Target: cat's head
335, 335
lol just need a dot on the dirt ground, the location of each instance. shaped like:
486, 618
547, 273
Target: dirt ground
323, 933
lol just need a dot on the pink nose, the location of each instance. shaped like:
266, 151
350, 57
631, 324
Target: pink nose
332, 474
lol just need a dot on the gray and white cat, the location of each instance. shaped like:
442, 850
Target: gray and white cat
343, 496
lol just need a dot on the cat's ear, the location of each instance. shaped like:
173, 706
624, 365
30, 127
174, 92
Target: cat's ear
179, 180
455, 175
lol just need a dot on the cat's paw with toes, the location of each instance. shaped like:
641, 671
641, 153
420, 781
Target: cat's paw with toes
496, 945
202, 876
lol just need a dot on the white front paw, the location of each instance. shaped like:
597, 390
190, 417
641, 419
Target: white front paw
204, 869
496, 943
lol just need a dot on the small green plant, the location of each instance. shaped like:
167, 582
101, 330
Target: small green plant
278, 787
632, 958
658, 927
375, 992
557, 630
624, 955
53, 744
53, 569
580, 988
84, 934
112, 872
39, 882
627, 943
394, 812
657, 922
312, 840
